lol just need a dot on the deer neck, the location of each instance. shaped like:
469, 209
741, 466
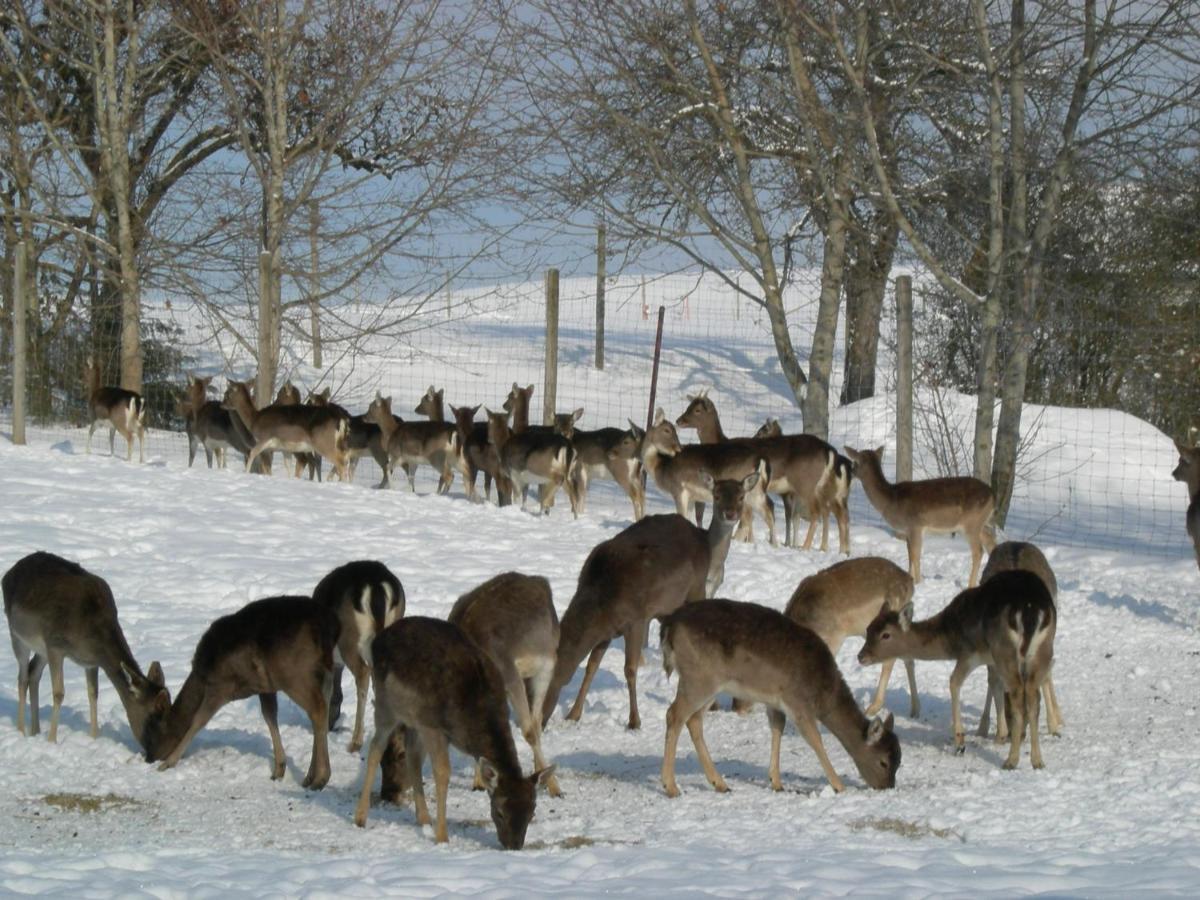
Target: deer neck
880, 491
927, 639
175, 724
244, 407
720, 534
709, 430
845, 720
387, 427
656, 463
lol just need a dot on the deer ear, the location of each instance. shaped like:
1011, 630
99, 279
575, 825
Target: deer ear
529, 390
577, 415
879, 727
488, 773
879, 450
659, 416
706, 479
906, 616
750, 481
542, 775
155, 674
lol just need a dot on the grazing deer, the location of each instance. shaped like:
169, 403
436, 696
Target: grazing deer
295, 429
512, 619
677, 472
648, 570
277, 644
804, 470
211, 426
119, 409
609, 453
533, 457
1188, 471
761, 655
366, 598
1006, 557
934, 504
364, 438
478, 455
417, 443
1008, 622
436, 684
58, 610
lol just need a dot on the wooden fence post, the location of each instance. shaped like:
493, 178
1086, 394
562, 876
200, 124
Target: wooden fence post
904, 379
550, 376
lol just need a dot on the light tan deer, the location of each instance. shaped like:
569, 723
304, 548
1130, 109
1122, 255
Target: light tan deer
413, 444
366, 598
436, 686
1007, 557
934, 504
1188, 471
58, 610
1008, 622
271, 645
613, 454
119, 409
648, 570
532, 457
295, 429
761, 655
677, 472
513, 620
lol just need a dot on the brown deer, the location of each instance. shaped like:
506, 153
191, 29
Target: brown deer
294, 429
609, 453
648, 570
761, 655
432, 405
413, 444
436, 685
512, 619
1188, 471
533, 457
119, 409
677, 472
934, 504
271, 645
58, 610
363, 439
1008, 622
478, 455
769, 428
211, 426
366, 598
1006, 557
805, 471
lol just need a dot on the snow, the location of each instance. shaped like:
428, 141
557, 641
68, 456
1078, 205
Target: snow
1115, 813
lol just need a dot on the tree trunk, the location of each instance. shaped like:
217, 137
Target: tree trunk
820, 363
1008, 431
784, 348
871, 253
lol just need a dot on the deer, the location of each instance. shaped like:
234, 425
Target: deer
647, 570
512, 619
269, 645
366, 598
1188, 471
58, 610
610, 453
1007, 622
119, 409
364, 438
1006, 557
762, 655
804, 469
432, 406
478, 455
676, 471
769, 428
436, 686
289, 395
295, 429
533, 457
211, 426
935, 504
416, 443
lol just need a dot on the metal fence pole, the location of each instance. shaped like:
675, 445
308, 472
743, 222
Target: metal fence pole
601, 252
662, 311
550, 378
904, 379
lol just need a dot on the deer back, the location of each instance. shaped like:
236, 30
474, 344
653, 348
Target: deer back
365, 596
843, 599
511, 616
1011, 555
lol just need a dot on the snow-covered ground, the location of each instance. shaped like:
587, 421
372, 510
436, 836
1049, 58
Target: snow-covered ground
1115, 813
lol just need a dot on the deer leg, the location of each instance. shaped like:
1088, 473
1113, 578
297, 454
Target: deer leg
745, 527
811, 734
813, 508
686, 703
1032, 698
531, 725
915, 537
776, 720
976, 555
439, 753
36, 666
384, 726
766, 508
695, 727
313, 698
55, 659
913, 697
589, 673
411, 471
885, 675
112, 438
1017, 725
957, 677
789, 519
1054, 722
362, 680
414, 756
92, 677
269, 702
699, 505
842, 514
335, 695
633, 653
826, 511
22, 653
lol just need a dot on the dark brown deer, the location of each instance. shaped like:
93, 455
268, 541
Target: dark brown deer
295, 429
1188, 471
437, 686
763, 656
513, 620
277, 644
119, 409
648, 570
934, 505
610, 453
366, 598
58, 610
211, 426
1008, 622
413, 444
478, 455
363, 439
532, 457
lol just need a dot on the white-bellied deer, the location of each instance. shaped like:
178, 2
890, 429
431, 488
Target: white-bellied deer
761, 655
610, 453
1008, 623
648, 570
1007, 557
363, 439
1188, 471
441, 689
271, 645
294, 429
211, 426
513, 620
804, 470
534, 457
935, 504
413, 444
119, 409
366, 598
58, 610
478, 454
677, 472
